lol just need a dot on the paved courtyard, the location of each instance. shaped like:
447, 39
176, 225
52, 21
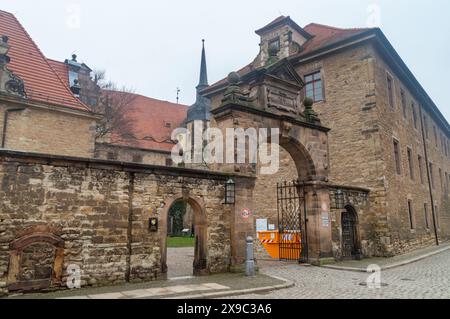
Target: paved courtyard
180, 262
429, 278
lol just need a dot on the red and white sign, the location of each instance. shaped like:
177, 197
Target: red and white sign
246, 213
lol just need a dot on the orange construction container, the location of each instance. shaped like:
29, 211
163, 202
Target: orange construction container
289, 241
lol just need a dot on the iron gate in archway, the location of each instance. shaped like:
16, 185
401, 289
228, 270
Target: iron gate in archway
292, 221
349, 236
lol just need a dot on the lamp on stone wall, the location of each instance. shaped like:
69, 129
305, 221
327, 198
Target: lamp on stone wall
339, 198
230, 192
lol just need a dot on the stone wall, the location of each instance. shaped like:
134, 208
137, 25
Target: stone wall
361, 148
48, 131
395, 123
131, 155
358, 200
354, 143
100, 211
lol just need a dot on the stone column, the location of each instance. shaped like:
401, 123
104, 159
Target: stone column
319, 232
242, 225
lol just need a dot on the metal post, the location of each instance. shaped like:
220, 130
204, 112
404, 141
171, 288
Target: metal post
250, 265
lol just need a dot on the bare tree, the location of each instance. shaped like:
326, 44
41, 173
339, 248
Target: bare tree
114, 104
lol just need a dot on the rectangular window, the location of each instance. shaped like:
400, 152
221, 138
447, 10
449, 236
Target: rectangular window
431, 176
446, 183
403, 96
411, 215
435, 136
420, 160
414, 113
427, 219
438, 220
275, 43
397, 157
390, 87
441, 180
425, 124
447, 147
169, 162
410, 163
314, 86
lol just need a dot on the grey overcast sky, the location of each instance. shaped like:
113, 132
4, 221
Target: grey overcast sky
154, 46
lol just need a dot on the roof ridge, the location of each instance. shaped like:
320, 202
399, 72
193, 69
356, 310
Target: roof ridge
147, 97
9, 13
334, 28
46, 61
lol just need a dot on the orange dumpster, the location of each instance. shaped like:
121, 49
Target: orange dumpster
282, 246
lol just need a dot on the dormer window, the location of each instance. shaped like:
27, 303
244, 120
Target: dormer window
289, 36
274, 45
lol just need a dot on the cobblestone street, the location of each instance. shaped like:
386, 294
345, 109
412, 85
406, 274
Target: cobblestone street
429, 278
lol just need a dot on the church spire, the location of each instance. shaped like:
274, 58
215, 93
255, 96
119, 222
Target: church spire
200, 111
203, 69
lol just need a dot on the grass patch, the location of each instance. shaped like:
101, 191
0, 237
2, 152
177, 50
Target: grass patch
179, 242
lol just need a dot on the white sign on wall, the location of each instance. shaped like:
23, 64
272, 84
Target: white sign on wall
261, 225
325, 219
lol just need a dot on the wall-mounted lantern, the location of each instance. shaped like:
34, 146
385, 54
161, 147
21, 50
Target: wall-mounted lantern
339, 198
230, 192
153, 225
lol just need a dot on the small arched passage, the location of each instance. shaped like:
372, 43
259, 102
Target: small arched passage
200, 265
351, 245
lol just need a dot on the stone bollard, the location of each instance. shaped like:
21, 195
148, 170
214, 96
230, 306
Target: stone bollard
250, 264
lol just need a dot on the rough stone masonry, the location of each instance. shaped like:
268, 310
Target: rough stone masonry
56, 212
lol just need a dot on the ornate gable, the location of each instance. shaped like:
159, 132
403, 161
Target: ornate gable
277, 89
9, 82
286, 72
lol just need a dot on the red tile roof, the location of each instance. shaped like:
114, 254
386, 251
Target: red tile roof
61, 70
322, 36
42, 83
149, 117
325, 35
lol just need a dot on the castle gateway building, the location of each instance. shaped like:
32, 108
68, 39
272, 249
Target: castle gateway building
364, 168
386, 136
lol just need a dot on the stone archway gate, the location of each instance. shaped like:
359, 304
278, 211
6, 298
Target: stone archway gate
273, 97
95, 215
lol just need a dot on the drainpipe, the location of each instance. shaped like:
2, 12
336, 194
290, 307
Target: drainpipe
427, 164
130, 226
5, 123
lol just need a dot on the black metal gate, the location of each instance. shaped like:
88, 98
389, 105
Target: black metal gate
291, 198
348, 235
